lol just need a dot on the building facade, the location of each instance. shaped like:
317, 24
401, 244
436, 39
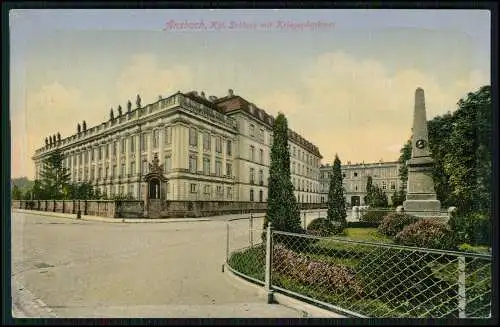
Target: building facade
355, 176
211, 149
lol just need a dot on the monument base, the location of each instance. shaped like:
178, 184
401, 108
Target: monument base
422, 208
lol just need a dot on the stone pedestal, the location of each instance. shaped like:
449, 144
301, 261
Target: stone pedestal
421, 197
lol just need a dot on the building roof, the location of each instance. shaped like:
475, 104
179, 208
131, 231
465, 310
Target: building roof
233, 102
200, 98
362, 164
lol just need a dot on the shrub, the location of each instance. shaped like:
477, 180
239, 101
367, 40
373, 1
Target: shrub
297, 243
397, 276
472, 228
327, 276
481, 230
426, 233
394, 222
323, 227
373, 216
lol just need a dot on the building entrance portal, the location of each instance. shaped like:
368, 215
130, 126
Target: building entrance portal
355, 200
155, 189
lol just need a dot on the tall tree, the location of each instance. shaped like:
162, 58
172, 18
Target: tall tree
336, 200
469, 159
405, 155
37, 190
369, 191
375, 196
54, 176
16, 193
440, 129
282, 209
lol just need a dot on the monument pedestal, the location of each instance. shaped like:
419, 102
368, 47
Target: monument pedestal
422, 207
421, 197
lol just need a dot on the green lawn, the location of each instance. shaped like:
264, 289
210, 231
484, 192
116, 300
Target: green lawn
366, 234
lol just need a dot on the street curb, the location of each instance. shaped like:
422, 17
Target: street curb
307, 310
109, 220
26, 305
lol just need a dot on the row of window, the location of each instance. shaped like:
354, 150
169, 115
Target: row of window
382, 173
98, 171
303, 185
259, 135
207, 190
104, 151
325, 186
207, 165
193, 141
302, 170
304, 156
251, 154
251, 176
308, 198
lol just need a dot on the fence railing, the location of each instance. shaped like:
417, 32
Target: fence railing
362, 279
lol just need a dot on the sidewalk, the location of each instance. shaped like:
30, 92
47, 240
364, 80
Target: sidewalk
139, 220
109, 220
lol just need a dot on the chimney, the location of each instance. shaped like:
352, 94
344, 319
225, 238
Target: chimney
160, 97
230, 92
203, 95
212, 98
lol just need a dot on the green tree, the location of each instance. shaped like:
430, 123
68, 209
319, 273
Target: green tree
80, 191
398, 197
37, 190
404, 156
369, 191
54, 176
23, 183
282, 209
375, 196
440, 129
468, 161
16, 193
380, 199
336, 199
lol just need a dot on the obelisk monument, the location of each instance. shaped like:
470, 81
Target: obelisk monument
421, 197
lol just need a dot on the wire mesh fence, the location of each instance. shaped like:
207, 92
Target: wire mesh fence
246, 250
382, 280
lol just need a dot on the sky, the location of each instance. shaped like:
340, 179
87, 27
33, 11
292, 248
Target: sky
347, 83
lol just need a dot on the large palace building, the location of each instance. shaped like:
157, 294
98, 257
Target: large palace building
355, 176
211, 149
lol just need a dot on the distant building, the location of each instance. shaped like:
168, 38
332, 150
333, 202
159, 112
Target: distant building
384, 174
211, 149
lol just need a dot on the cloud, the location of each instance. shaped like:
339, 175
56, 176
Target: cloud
145, 76
356, 107
44, 113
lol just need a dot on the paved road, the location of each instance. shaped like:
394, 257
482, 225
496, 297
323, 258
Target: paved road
97, 269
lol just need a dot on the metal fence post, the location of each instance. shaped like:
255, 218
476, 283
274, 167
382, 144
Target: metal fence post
462, 301
227, 241
304, 220
79, 212
250, 234
268, 264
